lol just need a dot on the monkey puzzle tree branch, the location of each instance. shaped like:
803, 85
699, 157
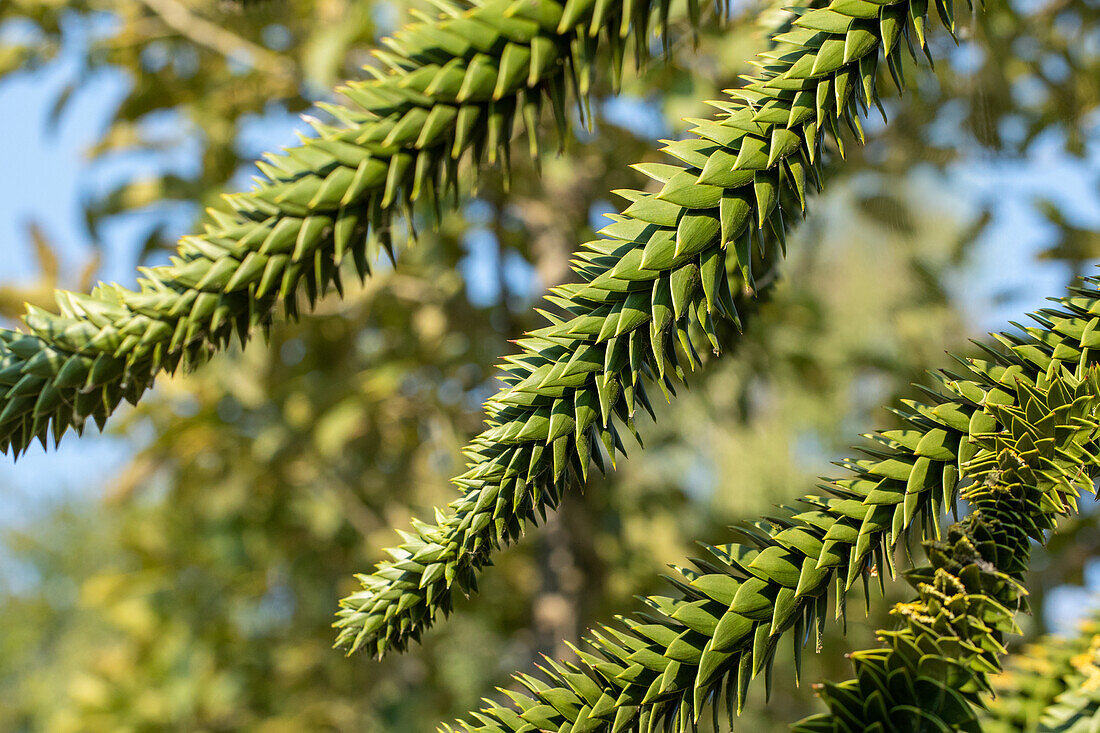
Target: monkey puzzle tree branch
735, 605
934, 671
454, 90
664, 272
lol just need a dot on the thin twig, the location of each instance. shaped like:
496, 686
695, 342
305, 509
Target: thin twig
176, 16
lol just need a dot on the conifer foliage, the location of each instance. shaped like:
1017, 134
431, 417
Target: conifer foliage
1024, 417
453, 90
1012, 435
1024, 475
668, 265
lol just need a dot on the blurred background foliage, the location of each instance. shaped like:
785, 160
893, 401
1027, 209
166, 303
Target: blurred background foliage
195, 589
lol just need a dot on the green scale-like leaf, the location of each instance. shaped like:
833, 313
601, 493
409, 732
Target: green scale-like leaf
676, 261
784, 574
454, 90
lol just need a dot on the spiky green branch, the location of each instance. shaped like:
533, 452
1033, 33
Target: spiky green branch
933, 673
737, 604
453, 91
670, 263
